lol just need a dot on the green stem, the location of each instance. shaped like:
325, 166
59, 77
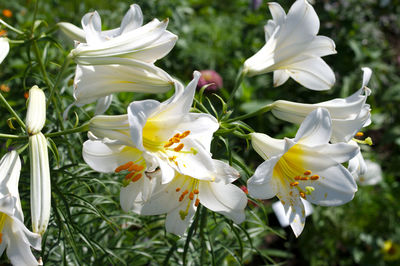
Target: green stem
9, 136
238, 82
203, 224
11, 110
41, 65
10, 27
264, 109
84, 127
59, 75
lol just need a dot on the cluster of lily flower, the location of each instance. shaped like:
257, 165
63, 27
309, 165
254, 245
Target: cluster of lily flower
163, 149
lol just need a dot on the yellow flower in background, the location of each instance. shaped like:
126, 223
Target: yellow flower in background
391, 251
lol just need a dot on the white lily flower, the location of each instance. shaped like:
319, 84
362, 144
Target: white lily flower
73, 32
14, 236
4, 48
304, 167
36, 113
98, 81
180, 198
165, 132
146, 43
348, 115
293, 48
40, 183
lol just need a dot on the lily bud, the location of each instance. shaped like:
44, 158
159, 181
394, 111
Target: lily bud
36, 114
4, 48
40, 183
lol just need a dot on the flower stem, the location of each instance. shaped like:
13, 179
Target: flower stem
203, 224
11, 110
9, 136
82, 128
10, 27
262, 110
238, 82
59, 75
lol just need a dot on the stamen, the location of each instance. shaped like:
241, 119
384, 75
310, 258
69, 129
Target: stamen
197, 202
136, 177
184, 134
179, 147
308, 172
359, 134
303, 178
177, 189
175, 140
123, 167
309, 190
169, 144
183, 195
314, 177
128, 176
293, 184
191, 196
297, 178
176, 135
303, 195
196, 191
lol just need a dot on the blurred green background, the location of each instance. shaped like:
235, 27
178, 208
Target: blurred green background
220, 35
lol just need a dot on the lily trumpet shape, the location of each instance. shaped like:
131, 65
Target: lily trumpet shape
305, 167
167, 133
293, 48
348, 115
4, 48
36, 114
146, 43
128, 75
14, 236
180, 198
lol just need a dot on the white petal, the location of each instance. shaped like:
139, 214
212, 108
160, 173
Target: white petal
277, 12
372, 176
335, 186
367, 73
4, 49
36, 111
91, 24
226, 199
111, 127
133, 19
283, 217
266, 146
131, 195
174, 224
297, 217
103, 104
340, 152
312, 73
224, 172
105, 158
262, 185
280, 77
73, 32
315, 129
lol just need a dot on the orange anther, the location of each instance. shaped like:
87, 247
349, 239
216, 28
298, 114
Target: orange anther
7, 13
3, 32
303, 178
184, 134
128, 176
297, 178
177, 189
175, 140
293, 184
179, 147
359, 134
136, 177
123, 167
136, 168
314, 177
303, 195
169, 144
176, 135
197, 202
191, 196
183, 195
308, 172
195, 191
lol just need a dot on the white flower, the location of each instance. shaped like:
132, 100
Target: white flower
4, 48
348, 115
14, 236
180, 198
99, 81
40, 183
36, 113
293, 48
132, 40
304, 167
167, 133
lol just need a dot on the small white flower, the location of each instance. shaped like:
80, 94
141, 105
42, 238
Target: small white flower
132, 40
348, 115
40, 183
4, 48
36, 113
293, 48
14, 236
304, 167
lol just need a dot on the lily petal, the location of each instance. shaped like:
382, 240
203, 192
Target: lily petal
315, 129
261, 185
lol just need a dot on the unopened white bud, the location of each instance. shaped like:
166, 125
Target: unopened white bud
36, 114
